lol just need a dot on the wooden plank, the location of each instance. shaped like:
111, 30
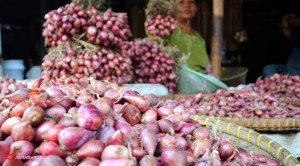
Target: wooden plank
217, 37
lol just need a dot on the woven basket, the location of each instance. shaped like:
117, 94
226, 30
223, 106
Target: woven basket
293, 102
258, 124
250, 140
267, 125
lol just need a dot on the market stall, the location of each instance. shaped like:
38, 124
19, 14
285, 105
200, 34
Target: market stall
106, 98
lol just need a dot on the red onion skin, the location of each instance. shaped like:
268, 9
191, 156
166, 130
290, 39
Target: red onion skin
7, 126
205, 162
138, 152
149, 116
140, 102
103, 105
190, 157
11, 161
5, 148
92, 148
105, 133
166, 141
3, 118
119, 162
152, 126
171, 103
53, 160
179, 109
109, 121
188, 128
9, 140
56, 112
226, 150
246, 157
198, 147
72, 160
34, 114
182, 143
153, 99
21, 148
89, 161
201, 133
131, 114
118, 138
55, 92
19, 95
98, 87
19, 109
164, 111
186, 116
36, 83
38, 98
71, 138
174, 156
67, 122
174, 118
36, 160
43, 128
124, 127
84, 99
72, 111
22, 131
148, 160
273, 163
260, 158
112, 94
51, 148
238, 159
149, 140
135, 142
166, 126
89, 117
67, 103
118, 108
225, 163
115, 152
52, 133
138, 128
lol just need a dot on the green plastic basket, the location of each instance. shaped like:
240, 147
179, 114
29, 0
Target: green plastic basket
190, 82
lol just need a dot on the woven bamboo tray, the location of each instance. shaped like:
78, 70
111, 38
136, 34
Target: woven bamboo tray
250, 140
293, 102
267, 125
258, 124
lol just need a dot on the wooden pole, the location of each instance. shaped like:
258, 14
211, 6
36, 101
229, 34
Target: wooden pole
217, 37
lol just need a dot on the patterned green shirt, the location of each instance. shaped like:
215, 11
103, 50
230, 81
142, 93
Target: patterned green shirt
194, 45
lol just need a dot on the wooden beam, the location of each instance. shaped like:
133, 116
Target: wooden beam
217, 37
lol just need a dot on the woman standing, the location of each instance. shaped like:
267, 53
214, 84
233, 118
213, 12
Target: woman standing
187, 39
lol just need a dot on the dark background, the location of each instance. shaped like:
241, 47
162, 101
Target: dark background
22, 28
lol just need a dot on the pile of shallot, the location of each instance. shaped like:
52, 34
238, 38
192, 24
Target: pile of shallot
160, 25
151, 64
280, 86
237, 103
9, 85
99, 123
160, 15
72, 21
86, 43
76, 65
